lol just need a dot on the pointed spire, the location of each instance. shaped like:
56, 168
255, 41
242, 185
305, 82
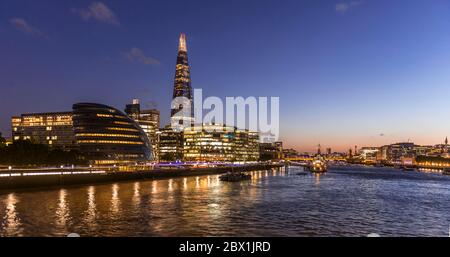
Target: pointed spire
446, 141
182, 44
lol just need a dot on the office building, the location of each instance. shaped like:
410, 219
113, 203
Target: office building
148, 120
271, 151
219, 143
170, 144
53, 129
105, 135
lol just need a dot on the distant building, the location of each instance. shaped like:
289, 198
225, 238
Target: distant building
399, 151
382, 154
2, 140
105, 135
432, 161
442, 150
220, 143
148, 120
271, 151
53, 129
170, 144
369, 153
290, 153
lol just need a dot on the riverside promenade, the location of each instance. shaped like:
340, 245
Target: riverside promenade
41, 178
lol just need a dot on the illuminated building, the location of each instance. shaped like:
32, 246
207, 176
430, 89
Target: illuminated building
170, 144
271, 151
105, 135
148, 120
369, 154
182, 86
219, 143
53, 129
439, 150
432, 161
252, 146
394, 153
290, 153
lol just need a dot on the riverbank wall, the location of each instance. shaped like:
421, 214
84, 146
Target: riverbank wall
20, 180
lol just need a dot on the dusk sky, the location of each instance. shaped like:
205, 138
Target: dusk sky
367, 72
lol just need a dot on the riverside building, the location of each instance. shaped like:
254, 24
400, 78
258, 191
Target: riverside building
170, 144
148, 120
105, 135
219, 143
271, 151
53, 129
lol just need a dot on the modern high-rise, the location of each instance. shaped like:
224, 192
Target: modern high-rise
53, 129
148, 120
181, 109
170, 144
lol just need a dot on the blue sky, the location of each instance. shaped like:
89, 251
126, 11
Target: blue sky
347, 73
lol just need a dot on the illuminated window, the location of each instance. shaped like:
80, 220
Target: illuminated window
109, 142
105, 135
104, 115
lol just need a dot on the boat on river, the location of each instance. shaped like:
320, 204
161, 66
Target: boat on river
318, 165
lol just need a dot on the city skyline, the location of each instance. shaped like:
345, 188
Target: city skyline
365, 89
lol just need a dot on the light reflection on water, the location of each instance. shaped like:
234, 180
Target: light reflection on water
11, 223
91, 211
343, 202
62, 212
115, 200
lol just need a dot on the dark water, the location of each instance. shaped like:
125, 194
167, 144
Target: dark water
343, 202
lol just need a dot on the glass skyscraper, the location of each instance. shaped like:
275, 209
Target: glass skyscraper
182, 91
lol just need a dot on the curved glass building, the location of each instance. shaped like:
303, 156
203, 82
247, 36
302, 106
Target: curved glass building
106, 135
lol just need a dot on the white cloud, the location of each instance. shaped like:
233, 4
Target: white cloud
345, 6
98, 11
23, 26
137, 55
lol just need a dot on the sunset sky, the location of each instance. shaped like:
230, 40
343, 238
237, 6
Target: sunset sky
367, 72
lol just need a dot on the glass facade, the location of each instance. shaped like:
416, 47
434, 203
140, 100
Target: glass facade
53, 129
105, 135
271, 151
170, 144
149, 121
182, 84
209, 143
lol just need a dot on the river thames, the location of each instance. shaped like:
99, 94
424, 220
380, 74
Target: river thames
350, 201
